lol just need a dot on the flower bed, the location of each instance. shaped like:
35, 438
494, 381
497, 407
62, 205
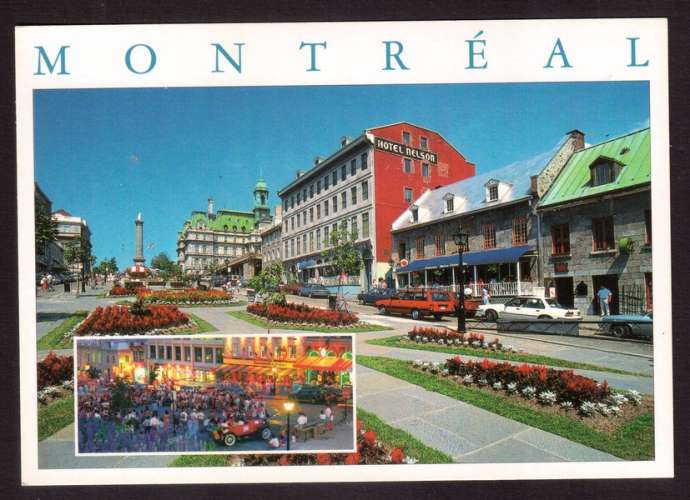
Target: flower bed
370, 451
546, 386
451, 338
301, 313
121, 291
189, 296
121, 320
53, 370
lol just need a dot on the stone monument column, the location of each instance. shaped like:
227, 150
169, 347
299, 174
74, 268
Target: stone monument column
139, 254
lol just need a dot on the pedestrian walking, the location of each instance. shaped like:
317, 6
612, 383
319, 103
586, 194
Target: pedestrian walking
605, 297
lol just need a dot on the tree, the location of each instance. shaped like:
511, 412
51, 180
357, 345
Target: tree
267, 283
343, 254
45, 228
166, 266
78, 251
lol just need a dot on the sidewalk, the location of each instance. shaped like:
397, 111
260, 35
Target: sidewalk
466, 433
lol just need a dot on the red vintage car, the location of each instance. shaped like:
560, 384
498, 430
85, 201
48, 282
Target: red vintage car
253, 428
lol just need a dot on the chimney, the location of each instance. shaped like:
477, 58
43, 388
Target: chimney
300, 173
578, 138
318, 159
345, 140
533, 184
210, 207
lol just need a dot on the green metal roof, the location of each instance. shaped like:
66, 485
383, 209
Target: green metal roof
633, 151
229, 218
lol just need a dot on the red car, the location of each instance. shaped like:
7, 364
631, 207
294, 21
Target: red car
420, 303
229, 434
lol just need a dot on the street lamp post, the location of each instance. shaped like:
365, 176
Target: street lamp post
461, 240
289, 406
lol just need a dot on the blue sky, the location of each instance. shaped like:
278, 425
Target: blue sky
106, 154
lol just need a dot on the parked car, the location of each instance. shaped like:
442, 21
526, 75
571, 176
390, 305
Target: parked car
419, 303
253, 428
374, 294
628, 325
527, 307
318, 291
315, 394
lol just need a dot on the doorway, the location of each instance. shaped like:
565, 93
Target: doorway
610, 281
565, 292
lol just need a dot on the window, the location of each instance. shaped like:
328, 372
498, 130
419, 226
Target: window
363, 160
353, 228
197, 355
304, 218
311, 214
304, 242
520, 230
334, 177
353, 167
152, 351
299, 243
208, 354
335, 204
425, 170
304, 194
648, 227
449, 204
325, 208
285, 249
311, 191
353, 195
187, 353
402, 250
440, 241
407, 165
365, 225
326, 236
292, 248
406, 138
489, 232
343, 199
318, 239
423, 143
299, 220
560, 239
168, 352
343, 173
292, 224
299, 197
493, 192
311, 241
602, 233
292, 201
219, 355
365, 190
604, 171
292, 351
415, 214
408, 195
420, 247
318, 186
161, 352
318, 211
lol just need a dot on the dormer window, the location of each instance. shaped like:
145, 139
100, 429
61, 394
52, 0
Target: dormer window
492, 191
414, 212
604, 170
448, 203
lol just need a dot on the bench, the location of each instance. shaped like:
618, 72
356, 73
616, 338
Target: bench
313, 430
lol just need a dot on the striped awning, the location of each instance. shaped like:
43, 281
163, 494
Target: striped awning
326, 363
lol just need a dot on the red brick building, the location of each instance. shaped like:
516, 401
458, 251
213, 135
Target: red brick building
367, 183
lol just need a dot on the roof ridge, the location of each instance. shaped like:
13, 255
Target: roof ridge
611, 140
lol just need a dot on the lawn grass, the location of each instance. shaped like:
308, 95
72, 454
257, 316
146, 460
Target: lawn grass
507, 356
389, 436
203, 326
393, 437
245, 316
55, 338
632, 441
55, 416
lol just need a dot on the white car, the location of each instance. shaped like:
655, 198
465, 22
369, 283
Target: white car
527, 307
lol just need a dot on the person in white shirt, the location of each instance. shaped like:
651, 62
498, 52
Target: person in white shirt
301, 420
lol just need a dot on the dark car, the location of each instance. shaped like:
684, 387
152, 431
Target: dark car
315, 394
628, 325
374, 294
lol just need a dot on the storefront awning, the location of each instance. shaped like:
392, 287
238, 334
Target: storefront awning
326, 363
496, 256
306, 264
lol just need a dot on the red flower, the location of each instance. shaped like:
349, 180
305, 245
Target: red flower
352, 459
284, 460
323, 458
370, 438
397, 456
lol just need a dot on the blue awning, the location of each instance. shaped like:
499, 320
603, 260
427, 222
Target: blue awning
306, 264
496, 256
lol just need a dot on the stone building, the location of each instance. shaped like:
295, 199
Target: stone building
497, 210
271, 249
70, 228
229, 239
364, 185
50, 255
596, 226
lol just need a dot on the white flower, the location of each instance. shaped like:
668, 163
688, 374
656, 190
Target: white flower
618, 399
547, 398
635, 397
616, 410
445, 372
511, 387
410, 460
567, 405
458, 342
483, 381
604, 409
467, 379
466, 343
425, 340
498, 386
588, 408
485, 345
441, 341
529, 392
417, 338
476, 343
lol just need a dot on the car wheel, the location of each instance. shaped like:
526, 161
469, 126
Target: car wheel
438, 317
383, 311
230, 439
266, 433
544, 316
620, 331
491, 315
416, 314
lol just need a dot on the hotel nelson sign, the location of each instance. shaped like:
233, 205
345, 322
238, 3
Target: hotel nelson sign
404, 150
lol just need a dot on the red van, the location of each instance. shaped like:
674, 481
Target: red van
420, 303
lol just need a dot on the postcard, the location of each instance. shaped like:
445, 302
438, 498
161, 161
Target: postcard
413, 250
